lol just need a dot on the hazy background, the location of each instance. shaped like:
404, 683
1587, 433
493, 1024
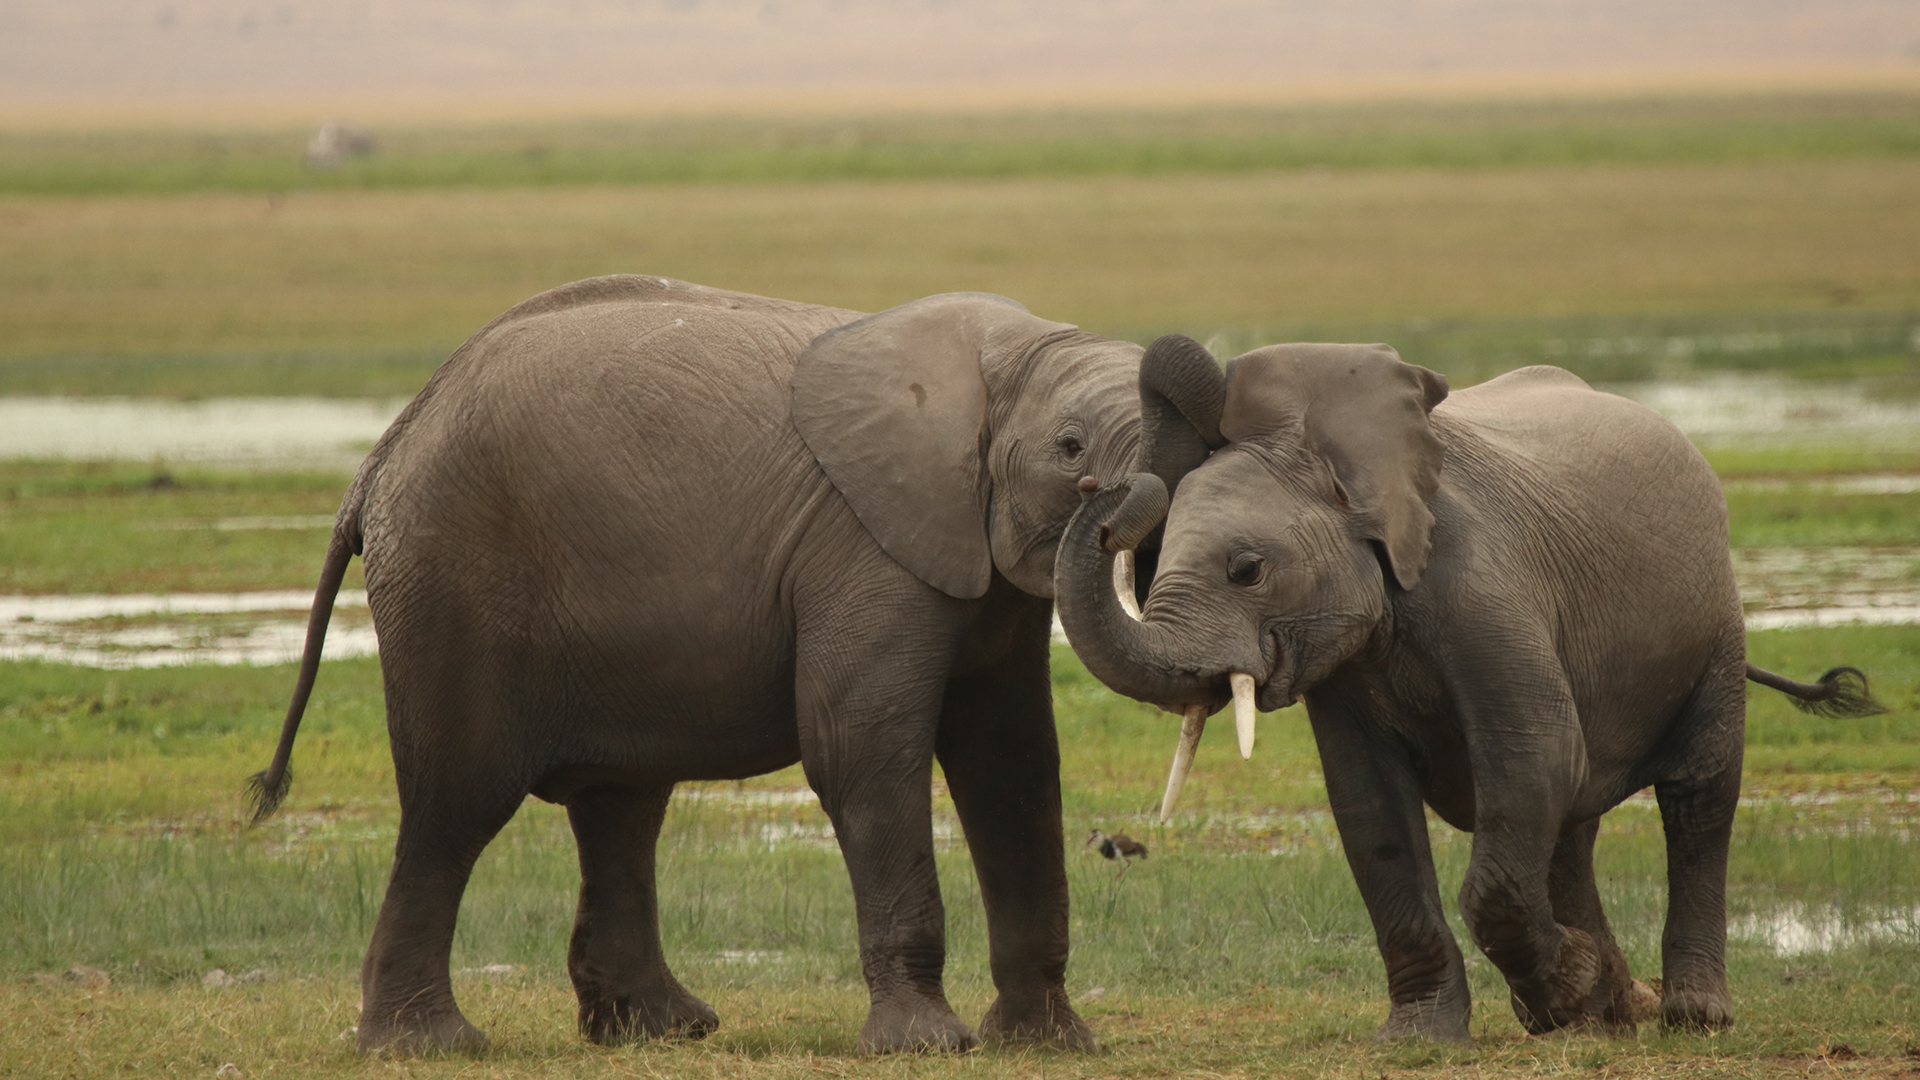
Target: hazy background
150, 53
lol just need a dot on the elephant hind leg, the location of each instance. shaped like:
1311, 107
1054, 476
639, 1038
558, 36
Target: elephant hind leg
407, 1003
618, 968
1696, 812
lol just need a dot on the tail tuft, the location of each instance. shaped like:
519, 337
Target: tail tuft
1846, 694
266, 792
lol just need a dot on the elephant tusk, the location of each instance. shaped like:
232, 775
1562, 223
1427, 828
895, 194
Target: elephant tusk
1242, 684
1123, 583
1192, 723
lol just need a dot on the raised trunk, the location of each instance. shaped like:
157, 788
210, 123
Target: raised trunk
1134, 658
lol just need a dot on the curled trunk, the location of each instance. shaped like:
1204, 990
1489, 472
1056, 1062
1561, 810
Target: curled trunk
1134, 658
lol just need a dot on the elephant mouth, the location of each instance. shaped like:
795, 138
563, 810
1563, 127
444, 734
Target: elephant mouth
1276, 689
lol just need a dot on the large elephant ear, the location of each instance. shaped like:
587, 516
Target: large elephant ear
894, 407
1364, 411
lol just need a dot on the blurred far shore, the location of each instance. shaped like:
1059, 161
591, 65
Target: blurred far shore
113, 62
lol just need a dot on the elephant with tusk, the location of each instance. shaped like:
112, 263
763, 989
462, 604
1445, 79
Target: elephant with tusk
637, 531
1514, 604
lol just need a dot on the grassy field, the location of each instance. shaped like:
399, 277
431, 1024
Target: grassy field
1620, 238
1625, 239
1081, 142
1238, 947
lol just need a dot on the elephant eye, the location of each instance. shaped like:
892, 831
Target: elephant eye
1245, 568
1070, 447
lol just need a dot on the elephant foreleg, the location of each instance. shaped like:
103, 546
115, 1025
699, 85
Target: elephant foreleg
1617, 1002
1528, 757
618, 969
1383, 828
1002, 762
869, 702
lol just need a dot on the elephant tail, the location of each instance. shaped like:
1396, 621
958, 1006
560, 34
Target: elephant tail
266, 789
1842, 691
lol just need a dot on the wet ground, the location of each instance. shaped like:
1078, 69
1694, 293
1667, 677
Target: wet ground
1781, 587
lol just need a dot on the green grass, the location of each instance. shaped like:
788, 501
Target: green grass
124, 848
1616, 270
1486, 134
1808, 515
77, 527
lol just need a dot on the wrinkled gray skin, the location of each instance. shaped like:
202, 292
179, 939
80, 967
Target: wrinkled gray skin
1516, 606
638, 531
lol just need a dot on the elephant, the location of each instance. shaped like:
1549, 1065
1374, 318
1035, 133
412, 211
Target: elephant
1514, 603
637, 531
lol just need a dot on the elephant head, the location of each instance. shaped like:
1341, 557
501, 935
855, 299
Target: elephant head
960, 427
1280, 551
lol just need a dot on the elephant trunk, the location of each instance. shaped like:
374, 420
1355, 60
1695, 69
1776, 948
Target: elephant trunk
1133, 657
1182, 394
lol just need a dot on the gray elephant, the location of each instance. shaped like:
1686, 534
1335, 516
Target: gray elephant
1514, 603
637, 531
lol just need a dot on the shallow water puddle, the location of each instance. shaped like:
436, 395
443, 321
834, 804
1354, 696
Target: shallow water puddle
306, 433
143, 631
1770, 409
1798, 931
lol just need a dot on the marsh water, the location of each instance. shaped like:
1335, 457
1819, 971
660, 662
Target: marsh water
1782, 587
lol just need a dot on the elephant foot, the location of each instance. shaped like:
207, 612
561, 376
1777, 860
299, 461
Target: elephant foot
1691, 1007
1045, 1020
1439, 1018
413, 1034
610, 1018
912, 1023
1566, 995
1638, 1002
1618, 1003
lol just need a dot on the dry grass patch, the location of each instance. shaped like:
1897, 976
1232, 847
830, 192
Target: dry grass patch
421, 270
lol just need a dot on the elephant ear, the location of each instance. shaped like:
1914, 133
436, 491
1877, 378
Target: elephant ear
1362, 410
894, 408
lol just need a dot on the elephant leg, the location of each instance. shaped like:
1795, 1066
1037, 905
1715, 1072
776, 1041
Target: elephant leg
868, 696
1527, 754
447, 817
1617, 1002
1383, 828
1002, 762
1696, 812
618, 969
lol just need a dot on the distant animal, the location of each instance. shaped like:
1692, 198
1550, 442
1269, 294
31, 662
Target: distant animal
1118, 846
335, 142
1514, 603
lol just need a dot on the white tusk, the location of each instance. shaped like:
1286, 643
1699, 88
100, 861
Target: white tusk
1242, 684
1123, 583
1192, 723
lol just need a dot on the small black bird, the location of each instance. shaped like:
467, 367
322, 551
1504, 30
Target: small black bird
1118, 846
